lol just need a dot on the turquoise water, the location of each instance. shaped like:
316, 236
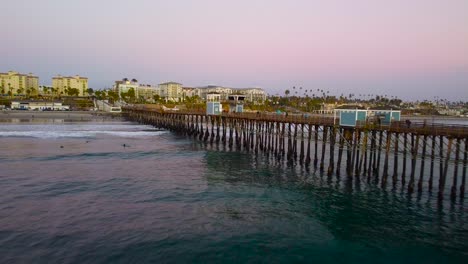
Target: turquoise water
119, 192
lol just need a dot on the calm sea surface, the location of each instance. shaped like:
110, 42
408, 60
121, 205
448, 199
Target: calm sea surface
119, 192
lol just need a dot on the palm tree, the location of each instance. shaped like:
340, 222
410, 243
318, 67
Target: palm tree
32, 90
10, 93
46, 90
54, 91
287, 92
20, 91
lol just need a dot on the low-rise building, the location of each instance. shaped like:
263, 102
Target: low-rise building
39, 105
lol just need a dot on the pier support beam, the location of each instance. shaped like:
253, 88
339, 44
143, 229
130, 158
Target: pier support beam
462, 186
453, 192
444, 176
431, 173
331, 165
423, 157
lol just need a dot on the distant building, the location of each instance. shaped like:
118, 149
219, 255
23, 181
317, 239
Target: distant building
255, 95
171, 91
45, 90
223, 91
63, 84
147, 92
143, 92
125, 85
14, 83
190, 92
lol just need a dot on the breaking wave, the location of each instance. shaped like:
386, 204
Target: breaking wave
86, 131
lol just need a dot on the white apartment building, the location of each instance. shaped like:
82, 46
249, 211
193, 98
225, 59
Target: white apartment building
190, 92
144, 92
171, 91
223, 91
147, 92
125, 85
256, 95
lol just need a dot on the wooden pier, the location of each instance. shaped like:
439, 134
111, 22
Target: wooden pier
418, 157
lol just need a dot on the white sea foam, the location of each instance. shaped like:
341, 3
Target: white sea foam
77, 131
77, 134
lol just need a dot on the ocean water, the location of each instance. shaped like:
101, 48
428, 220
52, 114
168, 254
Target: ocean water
120, 192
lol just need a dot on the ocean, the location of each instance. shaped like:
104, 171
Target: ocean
112, 191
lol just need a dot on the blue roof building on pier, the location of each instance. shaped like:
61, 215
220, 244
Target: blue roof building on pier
354, 117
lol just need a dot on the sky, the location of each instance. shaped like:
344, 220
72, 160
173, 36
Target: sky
414, 49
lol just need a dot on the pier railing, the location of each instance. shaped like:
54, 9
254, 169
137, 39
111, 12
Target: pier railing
422, 128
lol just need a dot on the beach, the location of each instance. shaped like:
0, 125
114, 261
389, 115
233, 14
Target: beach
14, 115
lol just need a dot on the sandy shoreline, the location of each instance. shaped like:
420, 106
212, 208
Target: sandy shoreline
62, 115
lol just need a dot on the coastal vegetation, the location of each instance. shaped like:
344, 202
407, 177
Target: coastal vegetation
296, 99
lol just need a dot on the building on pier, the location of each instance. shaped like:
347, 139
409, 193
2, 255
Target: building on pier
354, 117
236, 103
213, 104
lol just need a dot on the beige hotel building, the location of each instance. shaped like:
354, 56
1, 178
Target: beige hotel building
61, 83
18, 83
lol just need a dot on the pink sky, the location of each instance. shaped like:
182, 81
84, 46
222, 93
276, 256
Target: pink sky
404, 48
